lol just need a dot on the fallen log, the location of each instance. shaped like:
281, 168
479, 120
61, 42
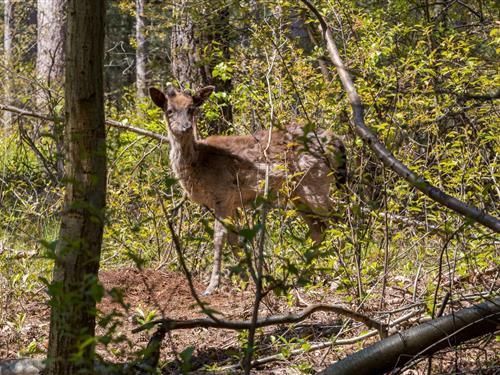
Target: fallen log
423, 340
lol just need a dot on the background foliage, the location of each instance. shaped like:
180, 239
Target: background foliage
429, 77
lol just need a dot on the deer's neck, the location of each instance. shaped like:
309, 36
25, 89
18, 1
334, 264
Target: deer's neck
183, 154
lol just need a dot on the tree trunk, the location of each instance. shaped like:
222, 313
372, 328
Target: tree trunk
51, 39
193, 57
51, 34
186, 60
218, 34
140, 52
420, 341
74, 290
7, 50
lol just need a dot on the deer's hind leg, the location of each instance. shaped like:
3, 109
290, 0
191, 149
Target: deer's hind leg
315, 219
316, 226
315, 206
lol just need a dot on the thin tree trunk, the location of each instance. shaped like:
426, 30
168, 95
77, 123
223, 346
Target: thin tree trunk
51, 39
193, 58
186, 61
141, 50
51, 32
74, 289
7, 50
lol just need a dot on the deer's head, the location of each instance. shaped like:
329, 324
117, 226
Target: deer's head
180, 107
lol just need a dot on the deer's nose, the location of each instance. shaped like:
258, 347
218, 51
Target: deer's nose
186, 126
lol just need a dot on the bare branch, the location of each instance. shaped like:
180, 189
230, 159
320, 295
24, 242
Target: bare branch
134, 129
24, 112
172, 324
112, 123
324, 345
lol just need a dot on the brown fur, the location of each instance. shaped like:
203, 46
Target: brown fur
225, 172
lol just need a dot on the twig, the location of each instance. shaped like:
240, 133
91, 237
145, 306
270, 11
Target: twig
415, 283
443, 304
187, 273
440, 273
259, 261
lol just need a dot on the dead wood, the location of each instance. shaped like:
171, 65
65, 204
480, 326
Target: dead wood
173, 324
420, 341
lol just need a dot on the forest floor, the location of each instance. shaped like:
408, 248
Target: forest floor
151, 294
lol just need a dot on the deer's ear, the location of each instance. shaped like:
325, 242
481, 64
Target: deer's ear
202, 95
158, 97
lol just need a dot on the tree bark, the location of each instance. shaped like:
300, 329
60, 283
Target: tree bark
186, 59
397, 350
74, 290
51, 39
193, 59
7, 50
141, 50
51, 33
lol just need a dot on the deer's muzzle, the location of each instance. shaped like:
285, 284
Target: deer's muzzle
186, 127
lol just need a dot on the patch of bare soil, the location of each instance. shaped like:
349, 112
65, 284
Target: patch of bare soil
151, 294
147, 294
169, 296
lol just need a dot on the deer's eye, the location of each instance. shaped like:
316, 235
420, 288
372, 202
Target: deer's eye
169, 112
190, 111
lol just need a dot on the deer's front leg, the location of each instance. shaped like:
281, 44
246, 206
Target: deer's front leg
220, 234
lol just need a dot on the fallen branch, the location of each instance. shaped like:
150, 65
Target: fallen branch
322, 345
172, 324
112, 123
422, 340
382, 152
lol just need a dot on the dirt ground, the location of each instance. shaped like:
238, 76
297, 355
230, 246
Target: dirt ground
152, 294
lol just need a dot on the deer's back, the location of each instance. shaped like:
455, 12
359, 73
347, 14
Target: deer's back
230, 168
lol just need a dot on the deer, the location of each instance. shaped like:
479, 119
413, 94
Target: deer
224, 173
